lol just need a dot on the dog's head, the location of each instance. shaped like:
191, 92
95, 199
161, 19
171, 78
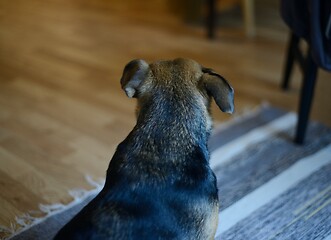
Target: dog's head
182, 80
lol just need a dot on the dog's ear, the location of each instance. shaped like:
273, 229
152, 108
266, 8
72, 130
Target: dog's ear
219, 89
133, 75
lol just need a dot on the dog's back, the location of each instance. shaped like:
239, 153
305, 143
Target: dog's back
159, 184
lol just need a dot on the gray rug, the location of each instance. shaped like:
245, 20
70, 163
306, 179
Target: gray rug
269, 187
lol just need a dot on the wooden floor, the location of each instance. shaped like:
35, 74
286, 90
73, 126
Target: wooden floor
62, 112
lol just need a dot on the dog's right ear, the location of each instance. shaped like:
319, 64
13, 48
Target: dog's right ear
219, 89
133, 75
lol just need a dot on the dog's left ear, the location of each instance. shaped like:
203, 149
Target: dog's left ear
219, 89
134, 74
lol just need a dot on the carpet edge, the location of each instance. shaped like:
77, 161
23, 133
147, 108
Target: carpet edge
26, 221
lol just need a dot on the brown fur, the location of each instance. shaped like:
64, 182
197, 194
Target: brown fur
159, 183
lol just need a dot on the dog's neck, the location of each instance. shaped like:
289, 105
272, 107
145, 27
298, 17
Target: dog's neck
173, 128
167, 134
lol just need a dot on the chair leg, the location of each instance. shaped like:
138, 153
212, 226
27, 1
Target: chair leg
306, 97
249, 17
211, 17
292, 46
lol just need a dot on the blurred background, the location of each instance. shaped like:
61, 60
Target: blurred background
62, 111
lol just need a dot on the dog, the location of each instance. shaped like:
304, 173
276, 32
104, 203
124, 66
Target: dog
159, 184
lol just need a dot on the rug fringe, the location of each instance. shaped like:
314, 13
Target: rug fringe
30, 219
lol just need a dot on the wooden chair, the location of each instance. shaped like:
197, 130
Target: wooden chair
309, 71
308, 21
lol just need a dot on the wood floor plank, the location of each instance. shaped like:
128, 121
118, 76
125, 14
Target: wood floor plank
21, 198
8, 214
31, 178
